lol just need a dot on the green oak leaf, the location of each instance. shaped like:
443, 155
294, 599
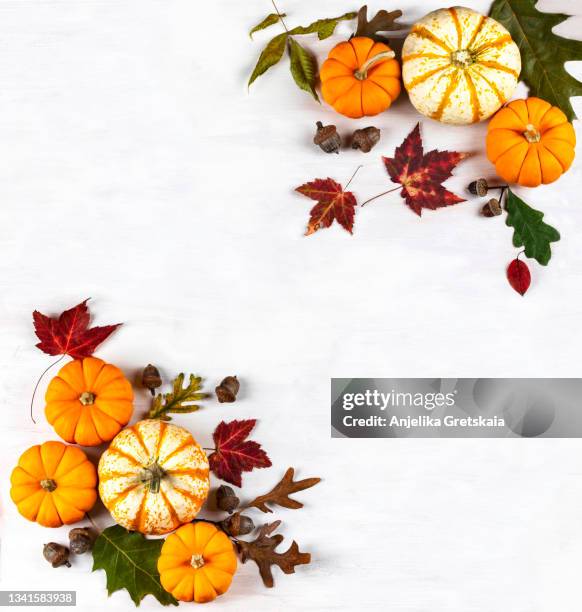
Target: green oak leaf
269, 20
270, 55
323, 27
303, 67
543, 53
130, 562
180, 400
529, 231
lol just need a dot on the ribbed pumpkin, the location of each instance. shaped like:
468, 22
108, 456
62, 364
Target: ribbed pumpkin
530, 142
54, 484
360, 77
459, 66
89, 401
153, 477
197, 563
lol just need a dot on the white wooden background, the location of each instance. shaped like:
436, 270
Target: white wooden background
136, 168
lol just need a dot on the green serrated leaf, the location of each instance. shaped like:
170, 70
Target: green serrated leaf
180, 400
303, 67
323, 27
529, 231
130, 562
543, 53
269, 20
270, 56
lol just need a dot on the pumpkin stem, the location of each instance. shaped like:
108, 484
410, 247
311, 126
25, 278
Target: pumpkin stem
87, 398
197, 561
462, 58
531, 133
362, 72
48, 484
152, 476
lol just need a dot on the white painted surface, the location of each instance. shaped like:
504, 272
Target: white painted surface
135, 168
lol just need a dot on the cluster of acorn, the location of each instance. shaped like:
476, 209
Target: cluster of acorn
80, 541
236, 524
480, 188
226, 391
328, 139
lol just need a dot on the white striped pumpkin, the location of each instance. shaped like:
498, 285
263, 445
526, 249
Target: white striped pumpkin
153, 477
459, 66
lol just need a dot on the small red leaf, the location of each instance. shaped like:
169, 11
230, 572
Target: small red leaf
519, 276
421, 174
234, 454
69, 334
333, 204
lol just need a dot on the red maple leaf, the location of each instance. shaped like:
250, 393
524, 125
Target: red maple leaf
421, 174
233, 454
333, 204
69, 334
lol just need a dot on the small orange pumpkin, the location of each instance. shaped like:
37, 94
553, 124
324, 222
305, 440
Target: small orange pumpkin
197, 562
54, 484
360, 77
89, 401
530, 142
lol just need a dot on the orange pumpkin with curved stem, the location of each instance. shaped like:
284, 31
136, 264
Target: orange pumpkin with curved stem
197, 562
360, 77
54, 484
89, 401
530, 142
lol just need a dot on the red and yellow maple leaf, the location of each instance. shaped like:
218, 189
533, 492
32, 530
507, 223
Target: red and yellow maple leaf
233, 454
70, 334
333, 204
422, 174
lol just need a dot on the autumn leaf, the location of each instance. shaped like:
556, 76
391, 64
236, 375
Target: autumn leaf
383, 21
529, 229
333, 204
268, 21
181, 399
543, 52
130, 562
519, 276
234, 454
262, 552
303, 67
421, 174
69, 334
280, 493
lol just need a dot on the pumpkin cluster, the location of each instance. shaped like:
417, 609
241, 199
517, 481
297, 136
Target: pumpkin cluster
458, 67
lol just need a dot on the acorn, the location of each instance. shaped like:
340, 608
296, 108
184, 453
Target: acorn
365, 139
151, 378
479, 187
327, 138
226, 499
238, 524
81, 540
56, 554
227, 390
492, 208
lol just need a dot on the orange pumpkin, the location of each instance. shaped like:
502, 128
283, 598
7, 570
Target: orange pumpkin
360, 77
54, 484
530, 142
197, 563
89, 401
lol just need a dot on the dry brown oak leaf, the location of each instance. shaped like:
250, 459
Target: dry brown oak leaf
280, 493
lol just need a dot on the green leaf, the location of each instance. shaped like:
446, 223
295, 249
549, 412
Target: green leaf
180, 400
324, 27
543, 53
270, 55
130, 562
269, 20
529, 230
303, 67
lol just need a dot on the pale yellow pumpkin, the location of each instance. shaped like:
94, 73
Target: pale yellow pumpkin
154, 477
459, 66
